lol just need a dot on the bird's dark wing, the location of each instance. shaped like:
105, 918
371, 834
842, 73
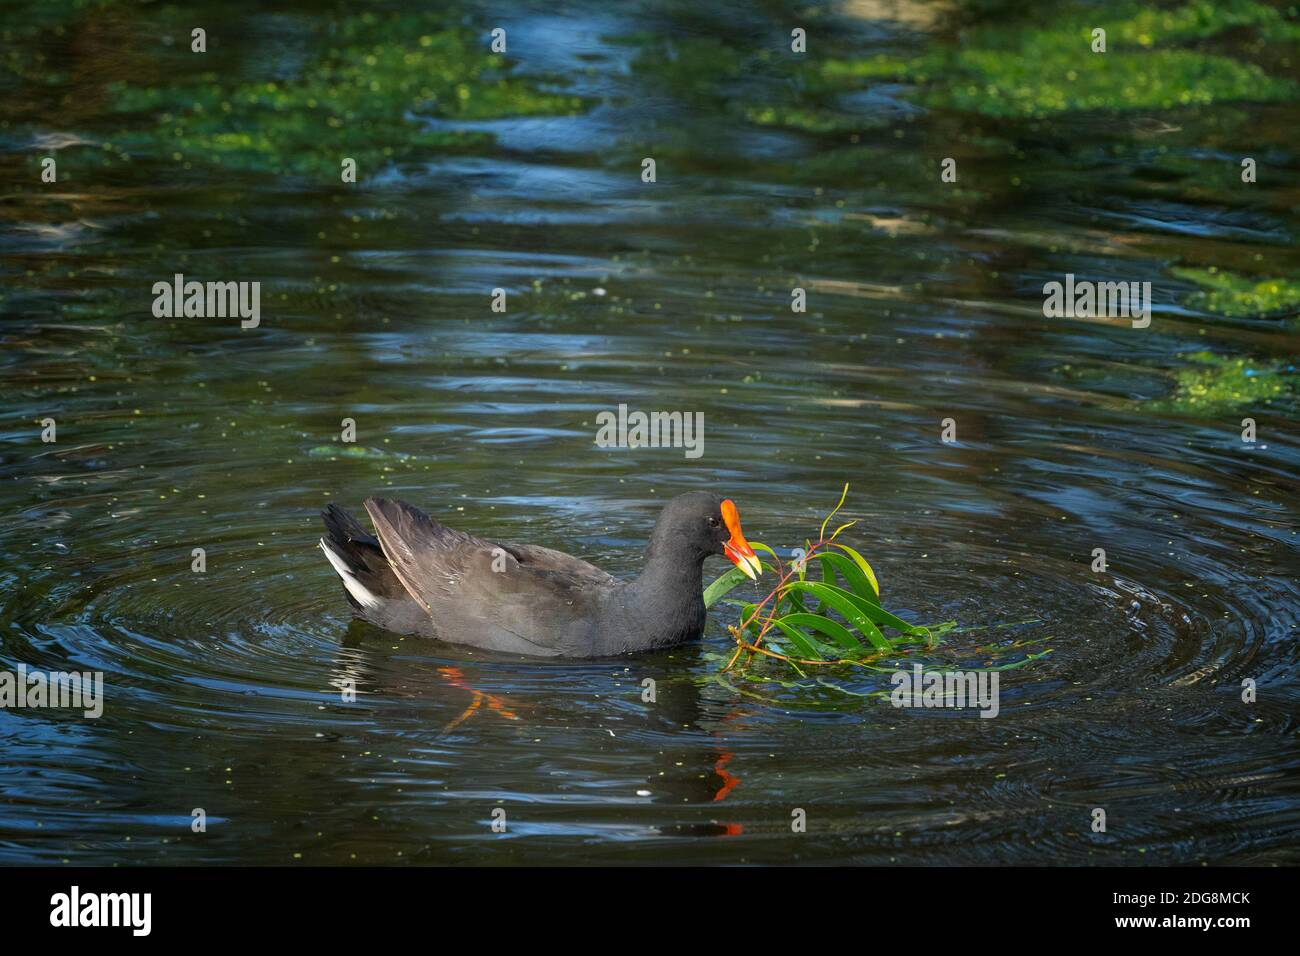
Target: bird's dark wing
514, 597
549, 561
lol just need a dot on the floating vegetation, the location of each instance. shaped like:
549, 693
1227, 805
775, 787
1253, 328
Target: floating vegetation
1007, 70
692, 68
1143, 26
836, 622
808, 120
1235, 296
355, 451
1010, 70
370, 96
1216, 383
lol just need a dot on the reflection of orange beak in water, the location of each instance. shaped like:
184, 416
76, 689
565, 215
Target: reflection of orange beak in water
457, 679
729, 780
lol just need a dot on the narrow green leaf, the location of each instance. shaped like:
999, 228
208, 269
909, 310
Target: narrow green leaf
845, 603
857, 582
724, 583
843, 494
861, 562
799, 639
879, 615
836, 631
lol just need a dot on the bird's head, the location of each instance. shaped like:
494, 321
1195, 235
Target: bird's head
708, 524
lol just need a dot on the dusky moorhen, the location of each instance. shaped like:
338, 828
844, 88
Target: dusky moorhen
416, 576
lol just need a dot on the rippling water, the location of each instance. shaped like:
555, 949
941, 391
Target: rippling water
223, 689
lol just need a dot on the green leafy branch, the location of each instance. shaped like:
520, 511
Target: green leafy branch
835, 621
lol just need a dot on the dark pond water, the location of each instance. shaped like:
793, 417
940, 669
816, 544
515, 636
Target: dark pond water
924, 303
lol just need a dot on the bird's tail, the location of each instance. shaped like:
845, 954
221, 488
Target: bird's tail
359, 562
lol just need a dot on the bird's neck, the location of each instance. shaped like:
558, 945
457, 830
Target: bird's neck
665, 574
669, 570
667, 597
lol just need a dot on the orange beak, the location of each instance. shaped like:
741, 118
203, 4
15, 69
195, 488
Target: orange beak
738, 549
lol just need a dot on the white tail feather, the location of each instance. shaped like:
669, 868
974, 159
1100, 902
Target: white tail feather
355, 588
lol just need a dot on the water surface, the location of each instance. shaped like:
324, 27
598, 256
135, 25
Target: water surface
924, 303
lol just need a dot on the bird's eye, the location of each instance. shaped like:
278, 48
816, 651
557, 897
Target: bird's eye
713, 522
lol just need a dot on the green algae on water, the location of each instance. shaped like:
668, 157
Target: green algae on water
692, 68
1214, 384
354, 451
1235, 296
1019, 71
369, 95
